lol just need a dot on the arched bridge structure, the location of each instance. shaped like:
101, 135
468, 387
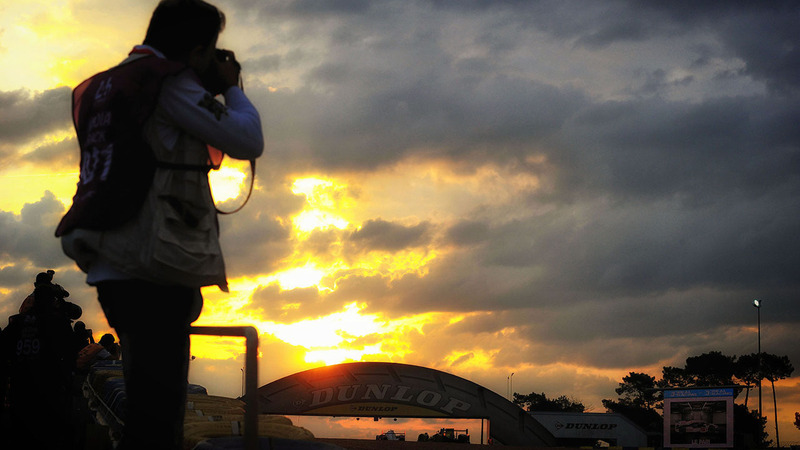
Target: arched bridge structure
375, 389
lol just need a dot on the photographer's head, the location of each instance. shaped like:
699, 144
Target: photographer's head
44, 278
186, 30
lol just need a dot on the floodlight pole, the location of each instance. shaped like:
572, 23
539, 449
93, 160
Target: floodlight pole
757, 304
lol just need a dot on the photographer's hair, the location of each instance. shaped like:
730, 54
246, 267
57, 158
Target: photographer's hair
177, 26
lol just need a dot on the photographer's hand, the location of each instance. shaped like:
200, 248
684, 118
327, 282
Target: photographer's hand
229, 70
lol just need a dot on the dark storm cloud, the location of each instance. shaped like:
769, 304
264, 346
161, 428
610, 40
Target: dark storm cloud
322, 245
61, 154
28, 246
668, 131
618, 334
294, 305
354, 285
652, 193
594, 275
454, 283
764, 35
393, 87
656, 82
15, 276
364, 129
26, 115
466, 233
315, 8
597, 277
29, 236
263, 64
254, 240
388, 85
379, 234
669, 136
608, 249
654, 148
289, 306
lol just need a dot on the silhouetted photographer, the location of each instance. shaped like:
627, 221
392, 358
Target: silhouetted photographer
142, 224
36, 355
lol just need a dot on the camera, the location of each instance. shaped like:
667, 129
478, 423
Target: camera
212, 79
59, 291
223, 55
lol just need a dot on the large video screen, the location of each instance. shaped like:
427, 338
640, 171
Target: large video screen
698, 418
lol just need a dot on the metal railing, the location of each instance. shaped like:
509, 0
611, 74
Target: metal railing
251, 375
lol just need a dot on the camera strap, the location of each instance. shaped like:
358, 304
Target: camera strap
215, 156
249, 190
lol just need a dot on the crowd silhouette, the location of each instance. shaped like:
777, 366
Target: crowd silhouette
45, 354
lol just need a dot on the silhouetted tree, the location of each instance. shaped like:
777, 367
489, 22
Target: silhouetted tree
797, 420
748, 431
747, 371
773, 368
637, 401
708, 369
647, 418
753, 368
639, 389
540, 402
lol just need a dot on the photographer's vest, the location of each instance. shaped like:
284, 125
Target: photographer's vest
117, 164
36, 342
88, 355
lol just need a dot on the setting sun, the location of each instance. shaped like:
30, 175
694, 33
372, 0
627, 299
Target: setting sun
339, 355
326, 332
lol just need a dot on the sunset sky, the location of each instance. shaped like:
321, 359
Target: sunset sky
563, 190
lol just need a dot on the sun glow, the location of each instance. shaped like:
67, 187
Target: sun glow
346, 335
339, 355
310, 220
326, 332
397, 264
216, 347
315, 190
226, 183
472, 360
325, 199
298, 277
